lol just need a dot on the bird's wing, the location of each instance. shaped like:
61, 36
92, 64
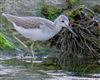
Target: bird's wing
30, 22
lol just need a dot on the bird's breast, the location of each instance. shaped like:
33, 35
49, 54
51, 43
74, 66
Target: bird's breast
35, 34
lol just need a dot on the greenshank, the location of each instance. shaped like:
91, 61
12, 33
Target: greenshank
37, 28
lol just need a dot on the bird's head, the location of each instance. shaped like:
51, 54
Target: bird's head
63, 21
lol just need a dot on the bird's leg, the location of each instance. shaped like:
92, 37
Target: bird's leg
14, 35
38, 45
32, 51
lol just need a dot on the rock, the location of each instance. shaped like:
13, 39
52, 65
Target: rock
91, 3
55, 2
29, 7
22, 7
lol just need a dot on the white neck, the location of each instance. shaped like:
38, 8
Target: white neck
57, 25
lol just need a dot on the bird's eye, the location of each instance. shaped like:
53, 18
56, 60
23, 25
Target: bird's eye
62, 21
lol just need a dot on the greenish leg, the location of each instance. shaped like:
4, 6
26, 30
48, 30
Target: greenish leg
38, 46
32, 51
14, 35
24, 45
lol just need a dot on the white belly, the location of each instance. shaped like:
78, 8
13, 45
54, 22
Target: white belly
35, 34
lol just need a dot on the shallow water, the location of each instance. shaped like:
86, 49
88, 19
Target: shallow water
15, 71
20, 73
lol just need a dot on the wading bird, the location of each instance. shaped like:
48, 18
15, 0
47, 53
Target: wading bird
37, 28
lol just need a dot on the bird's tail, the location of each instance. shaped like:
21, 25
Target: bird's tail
3, 14
11, 18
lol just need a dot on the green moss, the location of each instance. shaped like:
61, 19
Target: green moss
50, 12
4, 43
70, 3
72, 13
9, 62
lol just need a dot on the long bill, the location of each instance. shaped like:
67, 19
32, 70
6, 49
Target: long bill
69, 28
